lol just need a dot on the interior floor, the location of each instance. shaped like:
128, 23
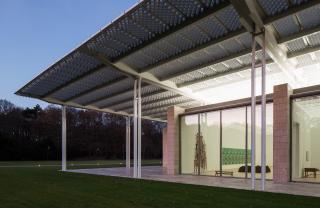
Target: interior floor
309, 179
236, 173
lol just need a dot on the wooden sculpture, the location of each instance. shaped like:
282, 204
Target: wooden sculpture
200, 158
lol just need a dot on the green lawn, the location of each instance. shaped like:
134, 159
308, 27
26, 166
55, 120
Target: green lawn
74, 164
45, 187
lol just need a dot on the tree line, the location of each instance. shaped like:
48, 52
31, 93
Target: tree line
35, 134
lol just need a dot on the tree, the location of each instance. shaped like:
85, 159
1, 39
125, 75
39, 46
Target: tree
6, 106
35, 134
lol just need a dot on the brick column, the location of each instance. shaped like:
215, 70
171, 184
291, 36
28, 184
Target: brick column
281, 133
164, 148
172, 140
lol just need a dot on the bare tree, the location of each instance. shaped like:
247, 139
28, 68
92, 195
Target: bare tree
5, 106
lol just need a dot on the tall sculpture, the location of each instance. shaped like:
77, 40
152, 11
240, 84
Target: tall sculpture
200, 156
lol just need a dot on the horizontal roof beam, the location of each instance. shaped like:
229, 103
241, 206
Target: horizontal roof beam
291, 11
149, 103
130, 99
146, 77
280, 41
221, 74
233, 34
300, 34
164, 105
290, 55
98, 87
75, 105
229, 36
304, 51
113, 95
175, 29
217, 61
116, 94
154, 111
82, 76
157, 115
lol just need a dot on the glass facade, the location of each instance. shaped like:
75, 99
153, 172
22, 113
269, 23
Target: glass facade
305, 139
269, 139
234, 154
210, 129
189, 127
218, 143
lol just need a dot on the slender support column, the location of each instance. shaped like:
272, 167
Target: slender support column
64, 138
263, 114
135, 147
139, 127
128, 145
246, 145
253, 114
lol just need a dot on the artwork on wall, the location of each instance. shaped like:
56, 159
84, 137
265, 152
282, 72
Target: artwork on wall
232, 156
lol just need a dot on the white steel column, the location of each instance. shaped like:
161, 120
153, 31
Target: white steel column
263, 113
135, 129
64, 138
139, 127
128, 145
253, 114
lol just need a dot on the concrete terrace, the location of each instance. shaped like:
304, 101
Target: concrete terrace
156, 173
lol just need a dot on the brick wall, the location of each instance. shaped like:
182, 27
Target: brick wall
164, 148
172, 140
281, 133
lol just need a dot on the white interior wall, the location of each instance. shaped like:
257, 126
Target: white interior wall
210, 128
305, 142
189, 129
315, 146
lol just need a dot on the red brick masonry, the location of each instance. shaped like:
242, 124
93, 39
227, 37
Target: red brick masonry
172, 140
281, 133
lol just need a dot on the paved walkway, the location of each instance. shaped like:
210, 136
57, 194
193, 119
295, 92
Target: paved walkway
156, 173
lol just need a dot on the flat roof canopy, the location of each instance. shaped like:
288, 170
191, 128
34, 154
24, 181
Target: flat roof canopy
180, 48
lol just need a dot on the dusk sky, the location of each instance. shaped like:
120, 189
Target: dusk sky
36, 33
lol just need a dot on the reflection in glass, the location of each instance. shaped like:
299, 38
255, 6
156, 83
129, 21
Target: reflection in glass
306, 139
224, 146
234, 153
189, 130
210, 129
269, 140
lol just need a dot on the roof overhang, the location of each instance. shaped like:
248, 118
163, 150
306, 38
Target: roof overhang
178, 48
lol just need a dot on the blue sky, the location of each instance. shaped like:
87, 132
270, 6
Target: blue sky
36, 33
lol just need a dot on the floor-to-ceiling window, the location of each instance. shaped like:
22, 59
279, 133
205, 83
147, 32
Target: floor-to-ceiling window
210, 131
234, 154
218, 143
306, 139
269, 140
189, 130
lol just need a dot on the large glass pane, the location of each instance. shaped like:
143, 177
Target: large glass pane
189, 130
210, 131
269, 140
234, 142
306, 139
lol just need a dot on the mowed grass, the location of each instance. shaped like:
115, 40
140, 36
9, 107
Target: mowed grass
76, 164
46, 187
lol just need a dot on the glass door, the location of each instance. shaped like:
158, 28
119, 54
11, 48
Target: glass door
210, 132
234, 156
